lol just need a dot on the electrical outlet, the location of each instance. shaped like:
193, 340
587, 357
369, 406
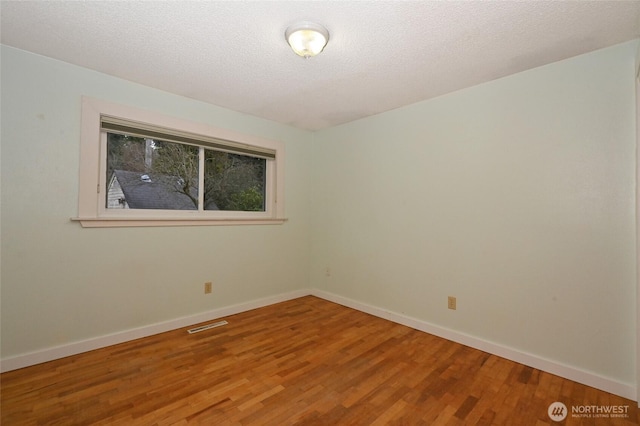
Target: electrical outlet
451, 304
207, 287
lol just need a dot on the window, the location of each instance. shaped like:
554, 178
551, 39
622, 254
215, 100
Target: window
154, 170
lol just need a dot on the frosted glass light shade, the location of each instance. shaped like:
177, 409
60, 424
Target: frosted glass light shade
306, 38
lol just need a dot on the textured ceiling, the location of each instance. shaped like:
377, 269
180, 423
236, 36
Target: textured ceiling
381, 54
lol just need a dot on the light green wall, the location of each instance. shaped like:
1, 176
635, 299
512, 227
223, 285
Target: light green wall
516, 196
62, 283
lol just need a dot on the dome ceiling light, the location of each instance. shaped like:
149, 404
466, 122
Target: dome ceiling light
306, 38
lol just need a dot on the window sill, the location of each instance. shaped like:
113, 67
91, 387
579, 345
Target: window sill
118, 222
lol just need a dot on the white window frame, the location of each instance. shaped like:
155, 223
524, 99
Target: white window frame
92, 211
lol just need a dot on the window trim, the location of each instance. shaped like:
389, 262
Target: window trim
92, 185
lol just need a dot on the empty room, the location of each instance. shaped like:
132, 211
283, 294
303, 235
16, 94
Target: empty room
319, 212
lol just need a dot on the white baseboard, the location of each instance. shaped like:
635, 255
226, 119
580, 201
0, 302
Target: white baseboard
559, 369
553, 367
57, 352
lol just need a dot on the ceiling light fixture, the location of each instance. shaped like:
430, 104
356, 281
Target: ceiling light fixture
306, 38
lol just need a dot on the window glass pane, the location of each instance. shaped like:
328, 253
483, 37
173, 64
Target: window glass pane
233, 182
150, 174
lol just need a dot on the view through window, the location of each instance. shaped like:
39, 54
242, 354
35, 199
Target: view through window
145, 173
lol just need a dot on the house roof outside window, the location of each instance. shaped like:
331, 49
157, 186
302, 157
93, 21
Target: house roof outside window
151, 191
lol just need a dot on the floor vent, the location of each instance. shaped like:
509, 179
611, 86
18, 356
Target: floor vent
207, 327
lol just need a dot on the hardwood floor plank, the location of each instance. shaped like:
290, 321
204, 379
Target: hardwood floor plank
302, 362
465, 408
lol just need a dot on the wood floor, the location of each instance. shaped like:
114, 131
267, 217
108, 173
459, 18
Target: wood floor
306, 362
